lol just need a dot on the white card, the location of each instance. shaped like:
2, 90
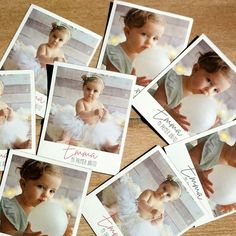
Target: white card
204, 99
32, 34
114, 207
209, 154
98, 144
17, 108
69, 183
156, 56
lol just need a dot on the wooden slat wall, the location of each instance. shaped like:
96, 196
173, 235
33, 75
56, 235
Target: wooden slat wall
78, 49
16, 91
68, 90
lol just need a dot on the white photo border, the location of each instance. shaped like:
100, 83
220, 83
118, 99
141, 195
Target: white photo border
97, 214
32, 150
170, 130
58, 150
41, 99
110, 22
186, 164
54, 162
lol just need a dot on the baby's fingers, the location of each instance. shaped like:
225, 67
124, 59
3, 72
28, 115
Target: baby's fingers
208, 189
143, 81
182, 121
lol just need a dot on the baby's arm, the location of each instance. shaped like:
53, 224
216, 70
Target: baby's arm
8, 228
144, 208
160, 97
42, 56
226, 208
110, 66
196, 155
89, 117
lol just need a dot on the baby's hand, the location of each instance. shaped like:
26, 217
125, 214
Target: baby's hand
61, 59
155, 214
206, 183
69, 229
142, 80
226, 208
217, 121
105, 114
180, 119
29, 232
157, 217
99, 112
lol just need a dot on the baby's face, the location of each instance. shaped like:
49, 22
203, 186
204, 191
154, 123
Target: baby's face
167, 192
92, 91
203, 82
144, 37
40, 190
58, 38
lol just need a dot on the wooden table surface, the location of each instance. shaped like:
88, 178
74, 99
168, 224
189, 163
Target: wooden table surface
216, 19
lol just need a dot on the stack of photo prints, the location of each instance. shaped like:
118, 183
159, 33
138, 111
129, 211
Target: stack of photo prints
184, 90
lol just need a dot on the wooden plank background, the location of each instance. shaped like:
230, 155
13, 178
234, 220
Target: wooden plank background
216, 19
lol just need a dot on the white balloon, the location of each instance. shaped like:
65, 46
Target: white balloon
200, 110
151, 62
223, 178
48, 217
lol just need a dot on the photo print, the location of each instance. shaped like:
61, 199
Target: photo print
195, 93
142, 41
17, 112
145, 198
207, 164
38, 194
87, 117
43, 38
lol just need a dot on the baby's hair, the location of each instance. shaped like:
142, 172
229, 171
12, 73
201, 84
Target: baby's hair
171, 180
93, 78
138, 18
212, 62
60, 27
1, 87
33, 170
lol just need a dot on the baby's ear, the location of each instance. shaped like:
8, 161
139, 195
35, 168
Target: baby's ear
22, 183
126, 31
195, 68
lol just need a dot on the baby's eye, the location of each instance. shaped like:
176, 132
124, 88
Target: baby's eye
216, 90
143, 34
52, 191
168, 195
60, 40
95, 91
40, 186
208, 80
